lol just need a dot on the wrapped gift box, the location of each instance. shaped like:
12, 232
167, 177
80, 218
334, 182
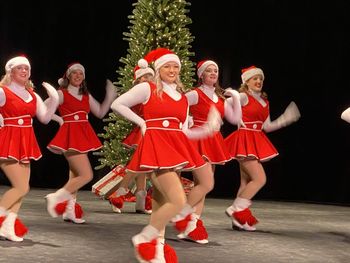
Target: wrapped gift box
109, 183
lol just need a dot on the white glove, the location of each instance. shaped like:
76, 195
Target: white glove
51, 91
241, 124
143, 128
346, 115
45, 110
290, 115
100, 110
190, 121
214, 120
232, 93
1, 121
58, 119
232, 106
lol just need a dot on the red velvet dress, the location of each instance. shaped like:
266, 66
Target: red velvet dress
251, 141
17, 137
164, 145
213, 148
76, 133
135, 136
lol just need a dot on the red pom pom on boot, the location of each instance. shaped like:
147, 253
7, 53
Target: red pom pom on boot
183, 218
241, 216
73, 212
53, 200
147, 246
182, 224
243, 220
170, 254
117, 203
117, 199
246, 219
20, 228
195, 231
60, 208
7, 229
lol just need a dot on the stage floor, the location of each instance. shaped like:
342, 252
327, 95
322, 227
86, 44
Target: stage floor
287, 233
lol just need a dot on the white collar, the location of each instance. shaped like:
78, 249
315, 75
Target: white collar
15, 86
255, 94
210, 92
171, 86
73, 90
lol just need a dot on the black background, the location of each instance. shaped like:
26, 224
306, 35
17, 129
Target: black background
302, 46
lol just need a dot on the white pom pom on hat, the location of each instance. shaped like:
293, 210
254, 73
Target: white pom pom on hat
71, 67
16, 61
142, 63
202, 65
142, 68
251, 71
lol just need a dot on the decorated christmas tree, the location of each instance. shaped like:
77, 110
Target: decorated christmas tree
154, 23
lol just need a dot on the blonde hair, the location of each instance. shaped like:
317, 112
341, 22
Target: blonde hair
6, 80
159, 85
244, 88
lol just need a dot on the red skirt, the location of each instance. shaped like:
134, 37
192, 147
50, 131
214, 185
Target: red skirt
165, 149
250, 144
134, 138
75, 136
19, 143
213, 149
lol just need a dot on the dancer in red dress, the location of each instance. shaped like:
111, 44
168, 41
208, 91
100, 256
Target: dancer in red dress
165, 147
75, 138
212, 149
250, 146
18, 105
142, 73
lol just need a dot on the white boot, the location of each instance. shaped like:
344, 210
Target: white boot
149, 234
195, 231
55, 198
7, 229
239, 205
70, 215
140, 205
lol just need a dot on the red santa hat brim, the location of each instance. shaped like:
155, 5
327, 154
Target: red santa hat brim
161, 56
165, 59
250, 72
72, 67
203, 65
143, 71
16, 61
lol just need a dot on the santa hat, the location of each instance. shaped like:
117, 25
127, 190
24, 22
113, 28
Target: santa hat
71, 67
160, 56
141, 69
247, 73
16, 61
202, 65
